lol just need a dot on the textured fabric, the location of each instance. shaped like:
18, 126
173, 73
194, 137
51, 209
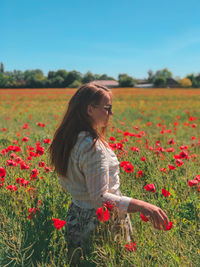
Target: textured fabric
93, 176
82, 223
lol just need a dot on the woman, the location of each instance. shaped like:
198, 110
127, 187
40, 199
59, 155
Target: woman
88, 168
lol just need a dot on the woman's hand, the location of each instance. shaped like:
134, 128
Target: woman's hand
153, 213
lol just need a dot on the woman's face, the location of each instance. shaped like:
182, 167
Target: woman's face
100, 113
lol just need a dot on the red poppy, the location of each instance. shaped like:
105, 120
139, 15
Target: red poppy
192, 182
170, 149
112, 138
169, 226
197, 177
131, 246
41, 164
171, 167
165, 193
163, 170
135, 149
25, 126
24, 166
179, 162
10, 162
12, 187
34, 173
171, 142
143, 159
41, 124
150, 188
25, 139
140, 173
143, 218
103, 214
128, 167
108, 205
32, 212
47, 169
2, 172
46, 141
58, 223
123, 163
39, 150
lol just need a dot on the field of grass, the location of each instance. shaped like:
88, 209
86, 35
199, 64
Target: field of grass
159, 133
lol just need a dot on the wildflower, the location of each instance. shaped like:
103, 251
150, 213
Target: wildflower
128, 167
58, 223
46, 141
131, 246
179, 162
171, 142
163, 170
135, 149
2, 172
112, 138
32, 212
143, 159
123, 163
41, 164
143, 218
25, 126
10, 162
108, 205
39, 150
47, 169
140, 173
192, 182
150, 188
171, 167
169, 226
12, 187
165, 193
103, 214
24, 166
34, 173
25, 139
41, 124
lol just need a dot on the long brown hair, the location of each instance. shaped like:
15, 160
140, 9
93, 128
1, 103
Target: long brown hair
74, 121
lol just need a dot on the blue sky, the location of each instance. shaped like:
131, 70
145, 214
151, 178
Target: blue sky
107, 36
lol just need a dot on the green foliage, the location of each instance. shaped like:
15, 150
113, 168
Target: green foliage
126, 81
159, 81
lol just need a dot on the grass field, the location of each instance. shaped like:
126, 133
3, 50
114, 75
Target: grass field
156, 130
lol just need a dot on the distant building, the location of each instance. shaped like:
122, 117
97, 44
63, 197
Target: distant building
143, 83
107, 83
172, 83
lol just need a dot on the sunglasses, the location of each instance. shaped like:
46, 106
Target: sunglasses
107, 108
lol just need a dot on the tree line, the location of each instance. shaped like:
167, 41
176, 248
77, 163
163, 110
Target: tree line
73, 79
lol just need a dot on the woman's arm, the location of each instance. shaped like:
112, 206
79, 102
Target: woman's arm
153, 213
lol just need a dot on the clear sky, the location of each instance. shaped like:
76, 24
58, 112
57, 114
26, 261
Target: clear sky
107, 36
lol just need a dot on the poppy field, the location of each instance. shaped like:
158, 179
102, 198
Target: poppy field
155, 134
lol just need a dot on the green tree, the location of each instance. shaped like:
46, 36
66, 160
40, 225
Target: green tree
72, 77
150, 75
163, 73
160, 81
126, 81
35, 78
1, 67
195, 80
88, 77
